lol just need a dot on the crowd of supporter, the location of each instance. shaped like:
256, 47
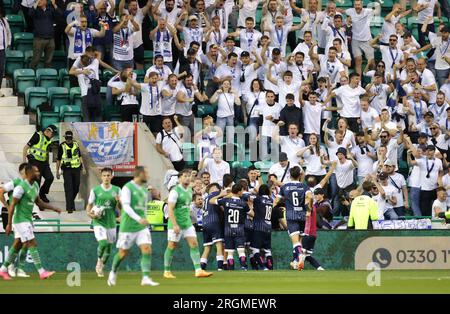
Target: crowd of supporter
312, 83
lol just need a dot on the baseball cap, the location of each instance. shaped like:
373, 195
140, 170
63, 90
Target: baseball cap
423, 134
431, 147
192, 17
68, 134
283, 157
319, 191
383, 176
341, 150
245, 54
52, 128
429, 114
389, 163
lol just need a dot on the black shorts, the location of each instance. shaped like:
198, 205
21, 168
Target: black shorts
234, 242
308, 243
248, 236
261, 240
139, 54
154, 123
295, 227
211, 235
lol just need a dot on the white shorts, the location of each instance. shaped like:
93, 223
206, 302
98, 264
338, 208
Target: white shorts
127, 239
186, 233
360, 47
101, 233
23, 231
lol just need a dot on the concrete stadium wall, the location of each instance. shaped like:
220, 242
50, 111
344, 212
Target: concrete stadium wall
334, 249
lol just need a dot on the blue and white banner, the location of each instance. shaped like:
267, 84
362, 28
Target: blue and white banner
108, 143
407, 224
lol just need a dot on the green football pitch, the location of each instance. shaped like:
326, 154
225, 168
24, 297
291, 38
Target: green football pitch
237, 282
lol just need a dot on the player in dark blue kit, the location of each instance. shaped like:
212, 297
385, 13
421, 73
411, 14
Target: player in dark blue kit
262, 228
212, 228
248, 223
234, 209
298, 199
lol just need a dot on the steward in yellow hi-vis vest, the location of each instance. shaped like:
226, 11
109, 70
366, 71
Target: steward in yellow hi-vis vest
155, 214
70, 161
36, 153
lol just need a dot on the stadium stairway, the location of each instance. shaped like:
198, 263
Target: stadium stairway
15, 131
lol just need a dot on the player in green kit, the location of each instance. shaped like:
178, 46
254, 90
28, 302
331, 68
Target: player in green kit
20, 217
134, 226
104, 199
8, 188
180, 225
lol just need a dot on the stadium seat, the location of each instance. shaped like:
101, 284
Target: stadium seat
70, 114
16, 23
8, 6
59, 60
14, 61
140, 74
263, 165
64, 78
58, 96
47, 77
75, 96
23, 41
34, 96
23, 78
103, 91
111, 113
107, 75
206, 110
148, 58
45, 118
28, 55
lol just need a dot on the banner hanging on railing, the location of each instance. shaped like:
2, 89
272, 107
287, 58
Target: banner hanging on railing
110, 144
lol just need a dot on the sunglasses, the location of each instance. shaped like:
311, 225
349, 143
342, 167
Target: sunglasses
383, 136
433, 128
380, 66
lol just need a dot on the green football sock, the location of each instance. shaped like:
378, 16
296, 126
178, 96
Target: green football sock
195, 256
35, 256
102, 245
168, 255
12, 254
146, 263
106, 253
116, 262
23, 257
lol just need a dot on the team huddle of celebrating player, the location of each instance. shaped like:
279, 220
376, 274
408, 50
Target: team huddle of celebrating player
234, 218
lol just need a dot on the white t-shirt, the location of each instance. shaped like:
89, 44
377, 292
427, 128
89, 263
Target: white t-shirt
192, 34
389, 192
303, 47
428, 79
277, 71
439, 206
344, 173
185, 108
311, 117
249, 39
225, 106
267, 126
248, 10
249, 74
80, 42
368, 118
163, 72
313, 164
360, 23
365, 163
168, 103
428, 11
127, 99
216, 170
440, 113
84, 81
291, 146
446, 185
400, 181
224, 70
251, 98
379, 99
330, 69
433, 166
442, 49
279, 171
171, 143
388, 28
123, 44
137, 36
350, 100
285, 89
151, 100
278, 38
391, 57
217, 37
